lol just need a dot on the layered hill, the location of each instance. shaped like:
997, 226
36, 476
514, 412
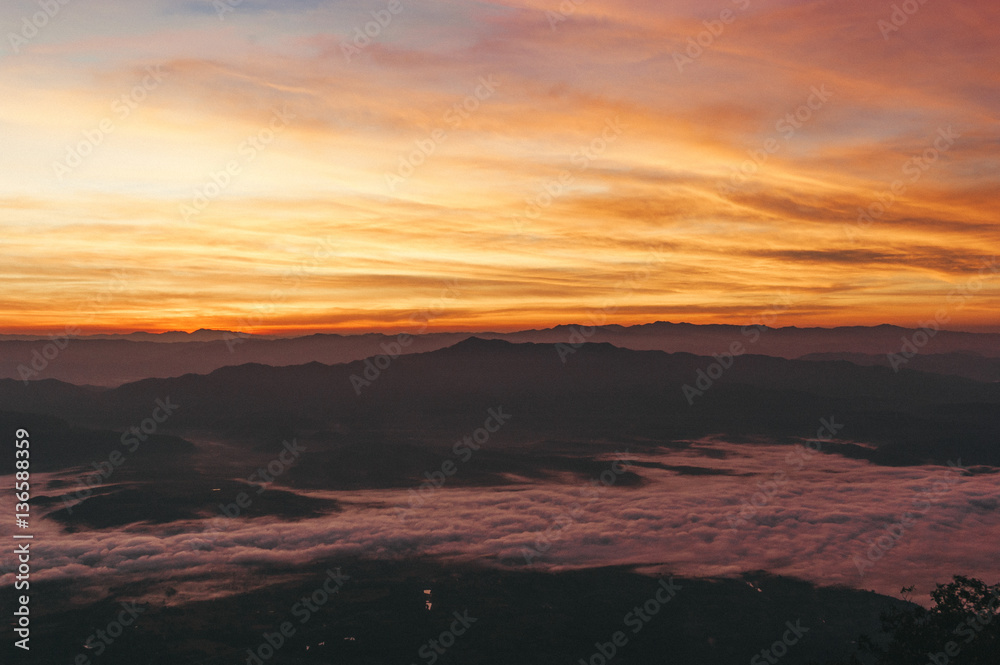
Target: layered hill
114, 360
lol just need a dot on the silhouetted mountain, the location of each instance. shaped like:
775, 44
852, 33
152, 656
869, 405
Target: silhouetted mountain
965, 363
58, 445
114, 360
601, 394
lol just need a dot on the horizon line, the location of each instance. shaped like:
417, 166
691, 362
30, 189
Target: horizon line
429, 330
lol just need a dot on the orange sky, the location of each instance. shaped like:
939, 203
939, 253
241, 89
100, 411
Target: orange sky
595, 169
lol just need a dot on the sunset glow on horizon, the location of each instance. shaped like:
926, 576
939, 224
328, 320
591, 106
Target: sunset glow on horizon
311, 166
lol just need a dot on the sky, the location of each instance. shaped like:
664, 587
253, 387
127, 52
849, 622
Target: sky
311, 165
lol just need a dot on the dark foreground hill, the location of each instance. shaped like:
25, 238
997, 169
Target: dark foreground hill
380, 615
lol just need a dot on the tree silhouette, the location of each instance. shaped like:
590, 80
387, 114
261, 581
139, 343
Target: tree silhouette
962, 628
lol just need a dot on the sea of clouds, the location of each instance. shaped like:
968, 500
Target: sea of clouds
819, 517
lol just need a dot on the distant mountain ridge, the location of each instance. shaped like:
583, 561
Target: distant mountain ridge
200, 335
111, 361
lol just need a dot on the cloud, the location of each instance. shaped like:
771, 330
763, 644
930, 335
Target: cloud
686, 133
828, 512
